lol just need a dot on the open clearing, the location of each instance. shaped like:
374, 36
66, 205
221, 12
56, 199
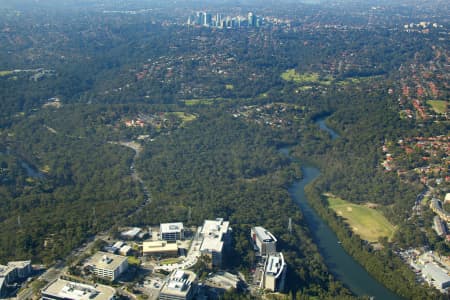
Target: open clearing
439, 106
206, 101
5, 73
292, 75
185, 117
367, 222
170, 261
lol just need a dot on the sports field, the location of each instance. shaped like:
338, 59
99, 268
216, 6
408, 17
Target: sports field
364, 220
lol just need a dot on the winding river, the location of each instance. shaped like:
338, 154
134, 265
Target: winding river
340, 264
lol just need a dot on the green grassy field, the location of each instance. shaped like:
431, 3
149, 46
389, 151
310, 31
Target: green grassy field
133, 260
170, 261
206, 101
185, 117
5, 73
292, 75
439, 106
368, 223
229, 86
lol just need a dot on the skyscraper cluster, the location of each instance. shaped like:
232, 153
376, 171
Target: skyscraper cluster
220, 21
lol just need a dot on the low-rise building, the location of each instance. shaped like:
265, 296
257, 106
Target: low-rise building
274, 273
436, 207
172, 231
118, 244
67, 290
131, 233
265, 242
436, 276
216, 234
125, 250
439, 226
159, 248
108, 266
224, 280
180, 286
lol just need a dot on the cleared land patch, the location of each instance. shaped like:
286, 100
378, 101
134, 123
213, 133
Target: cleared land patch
293, 75
170, 261
5, 73
185, 117
206, 101
439, 106
367, 222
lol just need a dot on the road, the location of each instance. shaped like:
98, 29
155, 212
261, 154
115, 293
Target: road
60, 267
135, 175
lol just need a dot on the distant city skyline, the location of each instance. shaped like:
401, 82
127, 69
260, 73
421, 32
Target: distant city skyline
219, 20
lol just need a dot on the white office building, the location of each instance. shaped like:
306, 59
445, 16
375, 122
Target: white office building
108, 266
172, 232
13, 271
216, 234
67, 290
179, 286
274, 273
265, 242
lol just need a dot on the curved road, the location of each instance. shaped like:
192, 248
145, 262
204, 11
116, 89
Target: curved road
135, 175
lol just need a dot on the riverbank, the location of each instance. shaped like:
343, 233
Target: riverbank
382, 265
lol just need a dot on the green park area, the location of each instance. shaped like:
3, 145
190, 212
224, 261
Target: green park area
439, 106
205, 101
364, 220
170, 261
185, 117
293, 75
133, 260
5, 73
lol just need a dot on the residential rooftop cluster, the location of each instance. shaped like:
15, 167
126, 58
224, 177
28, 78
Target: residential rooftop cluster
432, 158
275, 115
423, 91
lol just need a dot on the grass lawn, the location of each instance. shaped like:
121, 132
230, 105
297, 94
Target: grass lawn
368, 223
133, 260
5, 73
439, 106
185, 117
170, 261
292, 75
229, 86
206, 101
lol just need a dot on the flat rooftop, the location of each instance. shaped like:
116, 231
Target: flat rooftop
263, 234
159, 246
132, 232
179, 284
106, 261
213, 231
78, 291
435, 272
275, 264
171, 227
19, 264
